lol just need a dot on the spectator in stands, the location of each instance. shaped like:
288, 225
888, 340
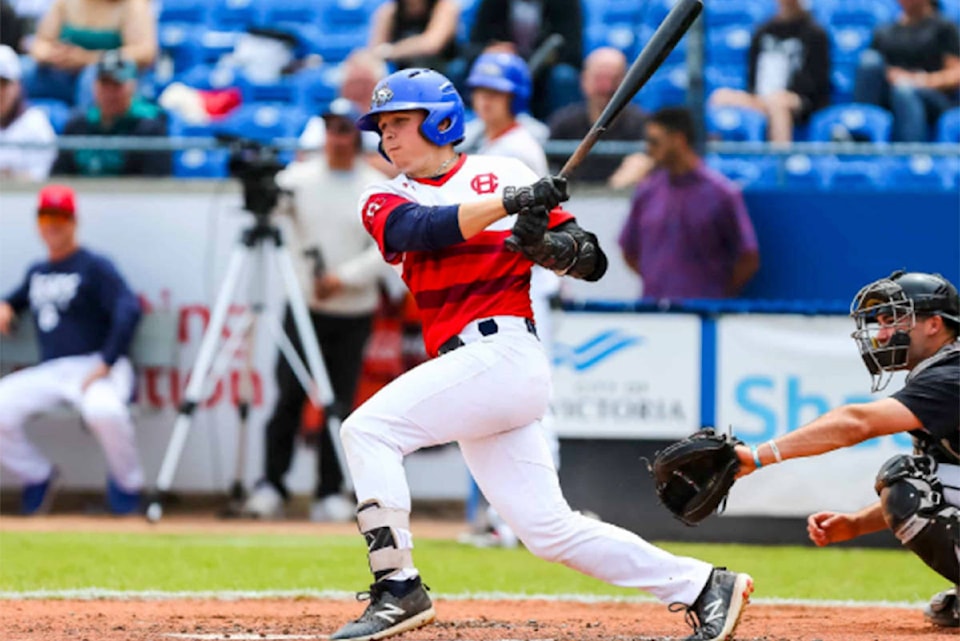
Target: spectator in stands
603, 70
688, 234
11, 28
522, 27
913, 68
115, 112
416, 33
788, 71
361, 73
21, 123
74, 33
85, 316
339, 272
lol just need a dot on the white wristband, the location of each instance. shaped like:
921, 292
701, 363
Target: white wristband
776, 451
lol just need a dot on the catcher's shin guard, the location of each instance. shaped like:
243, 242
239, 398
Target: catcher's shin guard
913, 506
387, 532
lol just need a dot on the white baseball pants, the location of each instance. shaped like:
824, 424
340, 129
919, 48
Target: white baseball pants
489, 396
103, 407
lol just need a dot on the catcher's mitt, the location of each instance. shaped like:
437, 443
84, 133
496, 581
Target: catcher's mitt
693, 476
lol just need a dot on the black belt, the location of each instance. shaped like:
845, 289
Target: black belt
487, 328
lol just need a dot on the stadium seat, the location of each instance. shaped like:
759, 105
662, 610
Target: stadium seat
58, 112
728, 45
612, 11
200, 163
841, 81
189, 12
213, 44
667, 87
180, 128
265, 122
206, 77
951, 9
736, 124
801, 171
655, 11
920, 172
728, 76
757, 172
350, 14
743, 13
622, 36
181, 42
844, 173
949, 168
316, 88
860, 13
851, 122
294, 12
337, 46
948, 127
234, 15
847, 42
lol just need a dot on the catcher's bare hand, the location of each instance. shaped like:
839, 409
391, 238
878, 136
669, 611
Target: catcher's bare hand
746, 461
825, 528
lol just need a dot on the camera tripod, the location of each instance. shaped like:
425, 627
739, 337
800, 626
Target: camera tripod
256, 244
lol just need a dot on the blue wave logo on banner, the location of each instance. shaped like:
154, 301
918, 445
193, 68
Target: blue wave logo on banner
594, 350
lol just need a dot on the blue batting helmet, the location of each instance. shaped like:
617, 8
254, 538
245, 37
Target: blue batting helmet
504, 72
424, 90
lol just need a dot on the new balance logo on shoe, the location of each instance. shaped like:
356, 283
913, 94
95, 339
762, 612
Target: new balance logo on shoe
389, 613
395, 607
713, 611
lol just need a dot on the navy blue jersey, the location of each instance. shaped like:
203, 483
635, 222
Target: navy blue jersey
80, 305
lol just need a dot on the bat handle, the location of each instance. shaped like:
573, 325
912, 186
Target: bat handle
581, 151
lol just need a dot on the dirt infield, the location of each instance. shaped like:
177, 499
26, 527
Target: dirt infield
458, 620
314, 618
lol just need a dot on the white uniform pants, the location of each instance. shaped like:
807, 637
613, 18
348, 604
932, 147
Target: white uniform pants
103, 407
489, 396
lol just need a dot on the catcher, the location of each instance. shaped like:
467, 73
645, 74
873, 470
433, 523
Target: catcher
908, 321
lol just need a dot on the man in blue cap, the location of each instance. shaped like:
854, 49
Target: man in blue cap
116, 111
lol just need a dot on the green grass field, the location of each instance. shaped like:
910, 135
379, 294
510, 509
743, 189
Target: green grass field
32, 561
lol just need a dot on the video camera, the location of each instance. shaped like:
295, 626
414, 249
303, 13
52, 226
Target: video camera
255, 165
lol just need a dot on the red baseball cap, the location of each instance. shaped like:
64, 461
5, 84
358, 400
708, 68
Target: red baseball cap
59, 198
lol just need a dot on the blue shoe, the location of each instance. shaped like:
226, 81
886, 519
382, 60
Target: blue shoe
37, 498
121, 502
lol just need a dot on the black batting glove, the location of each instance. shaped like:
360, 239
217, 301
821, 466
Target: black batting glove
529, 229
547, 192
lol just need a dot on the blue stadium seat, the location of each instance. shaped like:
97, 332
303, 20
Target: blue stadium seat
265, 122
655, 11
949, 168
294, 12
728, 45
234, 15
736, 124
622, 36
920, 172
948, 127
667, 87
316, 88
861, 13
729, 76
58, 112
951, 9
852, 121
181, 42
213, 44
728, 13
350, 14
180, 128
801, 171
207, 77
758, 172
847, 42
857, 173
200, 163
612, 11
284, 90
841, 81
193, 12
335, 47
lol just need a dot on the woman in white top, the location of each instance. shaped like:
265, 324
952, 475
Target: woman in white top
20, 123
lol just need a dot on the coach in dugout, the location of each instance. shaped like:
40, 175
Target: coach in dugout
85, 316
908, 321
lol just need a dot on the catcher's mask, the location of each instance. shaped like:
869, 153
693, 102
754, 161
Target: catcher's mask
891, 306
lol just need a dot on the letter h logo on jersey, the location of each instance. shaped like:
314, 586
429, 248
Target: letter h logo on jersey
484, 183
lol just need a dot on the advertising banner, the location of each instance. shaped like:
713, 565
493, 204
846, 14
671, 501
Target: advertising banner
627, 376
776, 373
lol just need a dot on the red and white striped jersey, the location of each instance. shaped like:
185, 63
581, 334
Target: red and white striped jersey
472, 280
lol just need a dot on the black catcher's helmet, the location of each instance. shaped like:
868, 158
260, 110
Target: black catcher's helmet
900, 297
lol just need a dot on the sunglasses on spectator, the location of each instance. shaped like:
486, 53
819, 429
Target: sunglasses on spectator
339, 126
53, 216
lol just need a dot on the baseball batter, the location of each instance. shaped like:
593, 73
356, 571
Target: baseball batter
446, 218
85, 316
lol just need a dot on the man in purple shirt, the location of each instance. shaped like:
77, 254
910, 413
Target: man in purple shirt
688, 234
